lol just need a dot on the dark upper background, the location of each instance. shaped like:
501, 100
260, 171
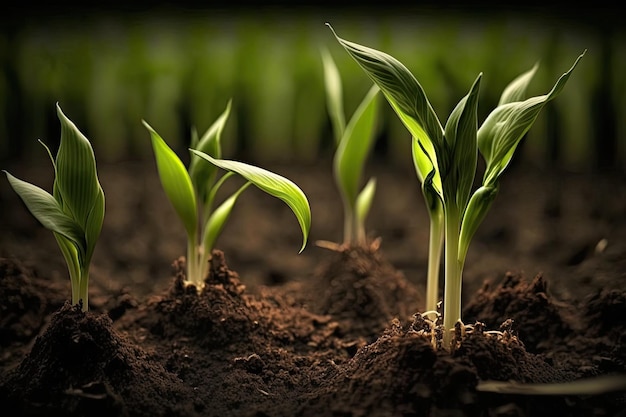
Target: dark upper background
598, 23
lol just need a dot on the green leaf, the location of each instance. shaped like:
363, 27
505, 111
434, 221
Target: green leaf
516, 90
203, 175
507, 124
94, 225
477, 209
272, 184
354, 147
77, 183
461, 149
218, 219
72, 259
175, 181
364, 202
47, 210
430, 179
334, 95
405, 95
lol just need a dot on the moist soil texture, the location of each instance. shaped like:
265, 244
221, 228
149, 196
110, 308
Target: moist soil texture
336, 330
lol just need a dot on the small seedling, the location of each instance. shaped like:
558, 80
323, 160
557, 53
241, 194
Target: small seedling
446, 158
75, 210
354, 142
192, 192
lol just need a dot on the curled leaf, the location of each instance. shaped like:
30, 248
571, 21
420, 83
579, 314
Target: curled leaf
477, 208
273, 184
47, 210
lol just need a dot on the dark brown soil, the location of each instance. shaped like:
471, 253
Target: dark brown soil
327, 332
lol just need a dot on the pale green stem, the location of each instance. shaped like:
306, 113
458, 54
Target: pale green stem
84, 287
73, 265
192, 262
360, 235
203, 261
202, 254
435, 247
453, 274
348, 223
75, 283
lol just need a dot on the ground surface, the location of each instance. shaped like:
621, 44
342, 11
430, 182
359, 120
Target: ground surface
322, 333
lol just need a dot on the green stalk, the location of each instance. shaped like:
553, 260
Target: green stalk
435, 247
73, 265
359, 235
84, 286
192, 261
453, 274
348, 222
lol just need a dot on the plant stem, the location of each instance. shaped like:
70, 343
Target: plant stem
453, 273
360, 236
348, 223
192, 262
435, 246
84, 288
203, 261
70, 255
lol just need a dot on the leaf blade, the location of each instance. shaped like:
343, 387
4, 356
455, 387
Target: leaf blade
175, 181
76, 184
461, 149
507, 124
516, 90
402, 91
46, 210
218, 218
273, 184
203, 175
354, 147
334, 95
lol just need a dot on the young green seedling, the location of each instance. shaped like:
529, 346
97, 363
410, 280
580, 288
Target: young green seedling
75, 210
446, 158
354, 142
193, 192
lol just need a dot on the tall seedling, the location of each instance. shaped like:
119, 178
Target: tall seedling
354, 142
192, 192
446, 158
74, 212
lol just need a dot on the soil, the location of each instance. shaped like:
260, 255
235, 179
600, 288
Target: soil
330, 331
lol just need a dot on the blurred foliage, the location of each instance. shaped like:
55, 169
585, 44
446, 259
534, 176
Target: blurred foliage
178, 69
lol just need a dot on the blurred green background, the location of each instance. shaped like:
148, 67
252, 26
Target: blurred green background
176, 66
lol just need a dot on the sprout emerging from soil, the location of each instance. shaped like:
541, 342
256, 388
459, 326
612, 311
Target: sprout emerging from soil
74, 212
446, 157
192, 192
354, 141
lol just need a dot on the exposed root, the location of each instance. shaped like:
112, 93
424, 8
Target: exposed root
422, 324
